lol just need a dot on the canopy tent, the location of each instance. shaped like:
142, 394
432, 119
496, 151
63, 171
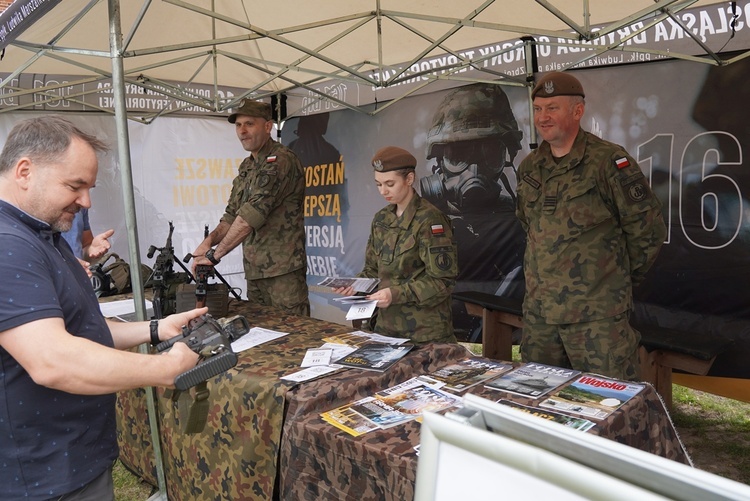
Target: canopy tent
294, 48
387, 50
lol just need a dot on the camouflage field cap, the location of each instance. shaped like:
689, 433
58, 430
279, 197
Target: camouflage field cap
252, 109
393, 158
557, 83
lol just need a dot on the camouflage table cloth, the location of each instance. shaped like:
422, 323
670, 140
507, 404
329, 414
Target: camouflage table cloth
321, 462
235, 456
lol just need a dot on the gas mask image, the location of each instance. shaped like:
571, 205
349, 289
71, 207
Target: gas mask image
473, 139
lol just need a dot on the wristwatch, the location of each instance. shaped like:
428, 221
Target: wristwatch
210, 257
154, 332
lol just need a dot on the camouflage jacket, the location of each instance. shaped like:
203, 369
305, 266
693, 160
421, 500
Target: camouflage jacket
593, 228
416, 257
269, 193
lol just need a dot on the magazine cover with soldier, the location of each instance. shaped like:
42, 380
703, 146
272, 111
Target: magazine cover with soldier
466, 373
532, 379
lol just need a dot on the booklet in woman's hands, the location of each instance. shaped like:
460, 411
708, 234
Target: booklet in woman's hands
366, 285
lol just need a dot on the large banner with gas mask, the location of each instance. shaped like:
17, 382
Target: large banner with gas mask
682, 121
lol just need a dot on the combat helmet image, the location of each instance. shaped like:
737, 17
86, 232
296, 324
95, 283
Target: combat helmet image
474, 137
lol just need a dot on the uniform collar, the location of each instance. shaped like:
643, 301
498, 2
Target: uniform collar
569, 161
411, 210
265, 150
37, 225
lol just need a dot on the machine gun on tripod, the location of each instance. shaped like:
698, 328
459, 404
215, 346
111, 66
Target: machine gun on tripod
202, 273
164, 279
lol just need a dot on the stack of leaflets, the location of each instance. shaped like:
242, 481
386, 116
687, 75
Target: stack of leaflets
532, 379
375, 356
390, 407
594, 397
366, 285
466, 373
571, 422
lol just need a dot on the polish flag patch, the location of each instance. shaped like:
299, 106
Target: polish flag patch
621, 163
271, 159
437, 229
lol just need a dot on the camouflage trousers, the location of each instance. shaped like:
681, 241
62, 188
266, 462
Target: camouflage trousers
287, 292
608, 347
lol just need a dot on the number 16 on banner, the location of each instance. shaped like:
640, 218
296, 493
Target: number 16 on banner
364, 309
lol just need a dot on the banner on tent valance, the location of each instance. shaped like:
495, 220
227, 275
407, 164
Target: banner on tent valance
718, 27
77, 93
20, 15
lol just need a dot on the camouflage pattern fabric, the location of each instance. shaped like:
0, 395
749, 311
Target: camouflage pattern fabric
134, 435
320, 462
235, 456
608, 346
416, 257
268, 193
593, 227
287, 292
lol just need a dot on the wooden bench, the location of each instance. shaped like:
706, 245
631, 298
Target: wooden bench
662, 349
500, 317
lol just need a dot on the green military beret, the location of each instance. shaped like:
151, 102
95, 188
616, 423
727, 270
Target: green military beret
393, 158
251, 108
557, 83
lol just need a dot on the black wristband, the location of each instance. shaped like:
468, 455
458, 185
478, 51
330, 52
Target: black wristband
210, 257
154, 329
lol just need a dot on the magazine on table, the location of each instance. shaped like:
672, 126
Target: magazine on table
577, 423
466, 373
366, 285
359, 338
344, 418
375, 356
390, 407
532, 379
594, 397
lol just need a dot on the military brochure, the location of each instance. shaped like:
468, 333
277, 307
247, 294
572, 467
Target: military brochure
594, 397
366, 285
466, 373
532, 379
570, 421
390, 407
375, 356
359, 338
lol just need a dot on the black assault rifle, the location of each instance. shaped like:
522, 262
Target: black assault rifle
212, 340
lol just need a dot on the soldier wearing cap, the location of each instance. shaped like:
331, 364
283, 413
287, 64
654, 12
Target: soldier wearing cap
265, 214
593, 229
411, 250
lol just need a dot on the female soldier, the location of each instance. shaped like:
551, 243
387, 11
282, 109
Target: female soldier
411, 251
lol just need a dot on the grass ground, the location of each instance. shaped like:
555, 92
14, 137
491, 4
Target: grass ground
715, 431
128, 487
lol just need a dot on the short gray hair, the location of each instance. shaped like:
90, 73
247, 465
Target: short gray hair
43, 140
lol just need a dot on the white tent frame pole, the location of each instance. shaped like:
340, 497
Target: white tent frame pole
123, 148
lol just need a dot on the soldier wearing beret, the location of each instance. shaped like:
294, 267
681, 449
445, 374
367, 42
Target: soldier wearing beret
411, 250
265, 214
593, 229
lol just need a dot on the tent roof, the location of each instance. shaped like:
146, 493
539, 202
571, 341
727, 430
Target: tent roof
266, 48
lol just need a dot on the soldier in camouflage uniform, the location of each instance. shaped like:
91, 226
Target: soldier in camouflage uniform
593, 229
265, 214
411, 250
